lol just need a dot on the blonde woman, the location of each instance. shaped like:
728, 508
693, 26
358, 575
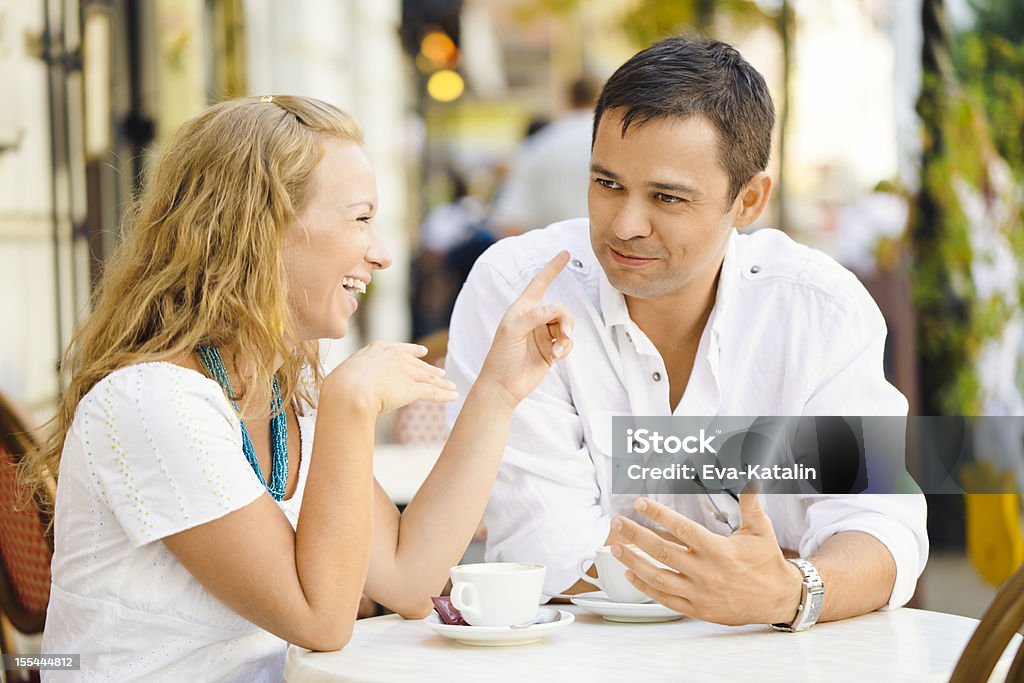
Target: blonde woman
181, 549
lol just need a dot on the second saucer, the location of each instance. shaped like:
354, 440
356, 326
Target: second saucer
599, 603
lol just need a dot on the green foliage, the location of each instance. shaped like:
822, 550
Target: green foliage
651, 20
647, 21
943, 290
969, 118
992, 69
530, 11
1003, 18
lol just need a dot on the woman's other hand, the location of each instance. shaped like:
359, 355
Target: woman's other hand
384, 376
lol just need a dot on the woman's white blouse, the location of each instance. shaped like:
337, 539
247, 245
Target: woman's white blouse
154, 449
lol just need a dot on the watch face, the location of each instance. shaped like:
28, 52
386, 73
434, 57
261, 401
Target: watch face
814, 609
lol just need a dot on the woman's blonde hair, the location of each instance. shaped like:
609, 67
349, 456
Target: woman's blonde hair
200, 260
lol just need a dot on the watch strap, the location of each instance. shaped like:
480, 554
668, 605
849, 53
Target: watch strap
812, 598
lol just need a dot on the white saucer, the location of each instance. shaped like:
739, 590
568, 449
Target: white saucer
632, 612
495, 636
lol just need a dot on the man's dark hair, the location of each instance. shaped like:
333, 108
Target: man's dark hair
690, 75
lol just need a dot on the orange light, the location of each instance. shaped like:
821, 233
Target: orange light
439, 48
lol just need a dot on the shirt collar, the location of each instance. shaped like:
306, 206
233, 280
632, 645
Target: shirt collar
728, 281
613, 304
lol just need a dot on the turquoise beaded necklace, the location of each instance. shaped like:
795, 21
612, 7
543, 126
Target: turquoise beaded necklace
278, 425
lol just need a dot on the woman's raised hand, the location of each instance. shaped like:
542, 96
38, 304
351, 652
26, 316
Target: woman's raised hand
530, 337
385, 376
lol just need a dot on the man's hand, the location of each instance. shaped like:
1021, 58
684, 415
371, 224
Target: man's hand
734, 580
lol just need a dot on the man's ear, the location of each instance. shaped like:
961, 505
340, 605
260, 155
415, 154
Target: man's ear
752, 199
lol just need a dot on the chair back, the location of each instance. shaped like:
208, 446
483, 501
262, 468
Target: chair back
26, 546
1001, 621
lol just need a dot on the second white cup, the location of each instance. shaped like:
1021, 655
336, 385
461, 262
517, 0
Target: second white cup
611, 574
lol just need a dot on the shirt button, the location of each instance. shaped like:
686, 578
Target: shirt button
577, 263
755, 269
656, 376
629, 337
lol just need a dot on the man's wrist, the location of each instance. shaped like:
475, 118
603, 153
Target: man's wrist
812, 599
791, 588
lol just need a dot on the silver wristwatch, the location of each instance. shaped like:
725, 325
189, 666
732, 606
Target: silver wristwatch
811, 600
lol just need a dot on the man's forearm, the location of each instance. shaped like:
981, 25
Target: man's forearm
858, 572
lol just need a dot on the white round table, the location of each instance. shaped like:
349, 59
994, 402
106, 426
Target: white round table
881, 647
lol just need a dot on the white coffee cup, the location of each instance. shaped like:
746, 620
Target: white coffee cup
611, 574
497, 593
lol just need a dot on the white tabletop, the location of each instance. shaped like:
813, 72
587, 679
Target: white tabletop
881, 647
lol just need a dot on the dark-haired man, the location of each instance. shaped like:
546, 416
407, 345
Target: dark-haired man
676, 313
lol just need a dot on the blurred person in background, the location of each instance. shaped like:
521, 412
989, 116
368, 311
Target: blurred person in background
215, 491
548, 178
452, 235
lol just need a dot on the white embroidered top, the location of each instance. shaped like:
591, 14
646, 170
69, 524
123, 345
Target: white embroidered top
154, 449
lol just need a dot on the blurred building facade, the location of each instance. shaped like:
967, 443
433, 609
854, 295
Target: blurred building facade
93, 87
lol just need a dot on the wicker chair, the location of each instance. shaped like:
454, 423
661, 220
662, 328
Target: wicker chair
25, 544
1001, 621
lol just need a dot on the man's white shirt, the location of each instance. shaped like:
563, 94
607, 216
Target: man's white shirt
791, 333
